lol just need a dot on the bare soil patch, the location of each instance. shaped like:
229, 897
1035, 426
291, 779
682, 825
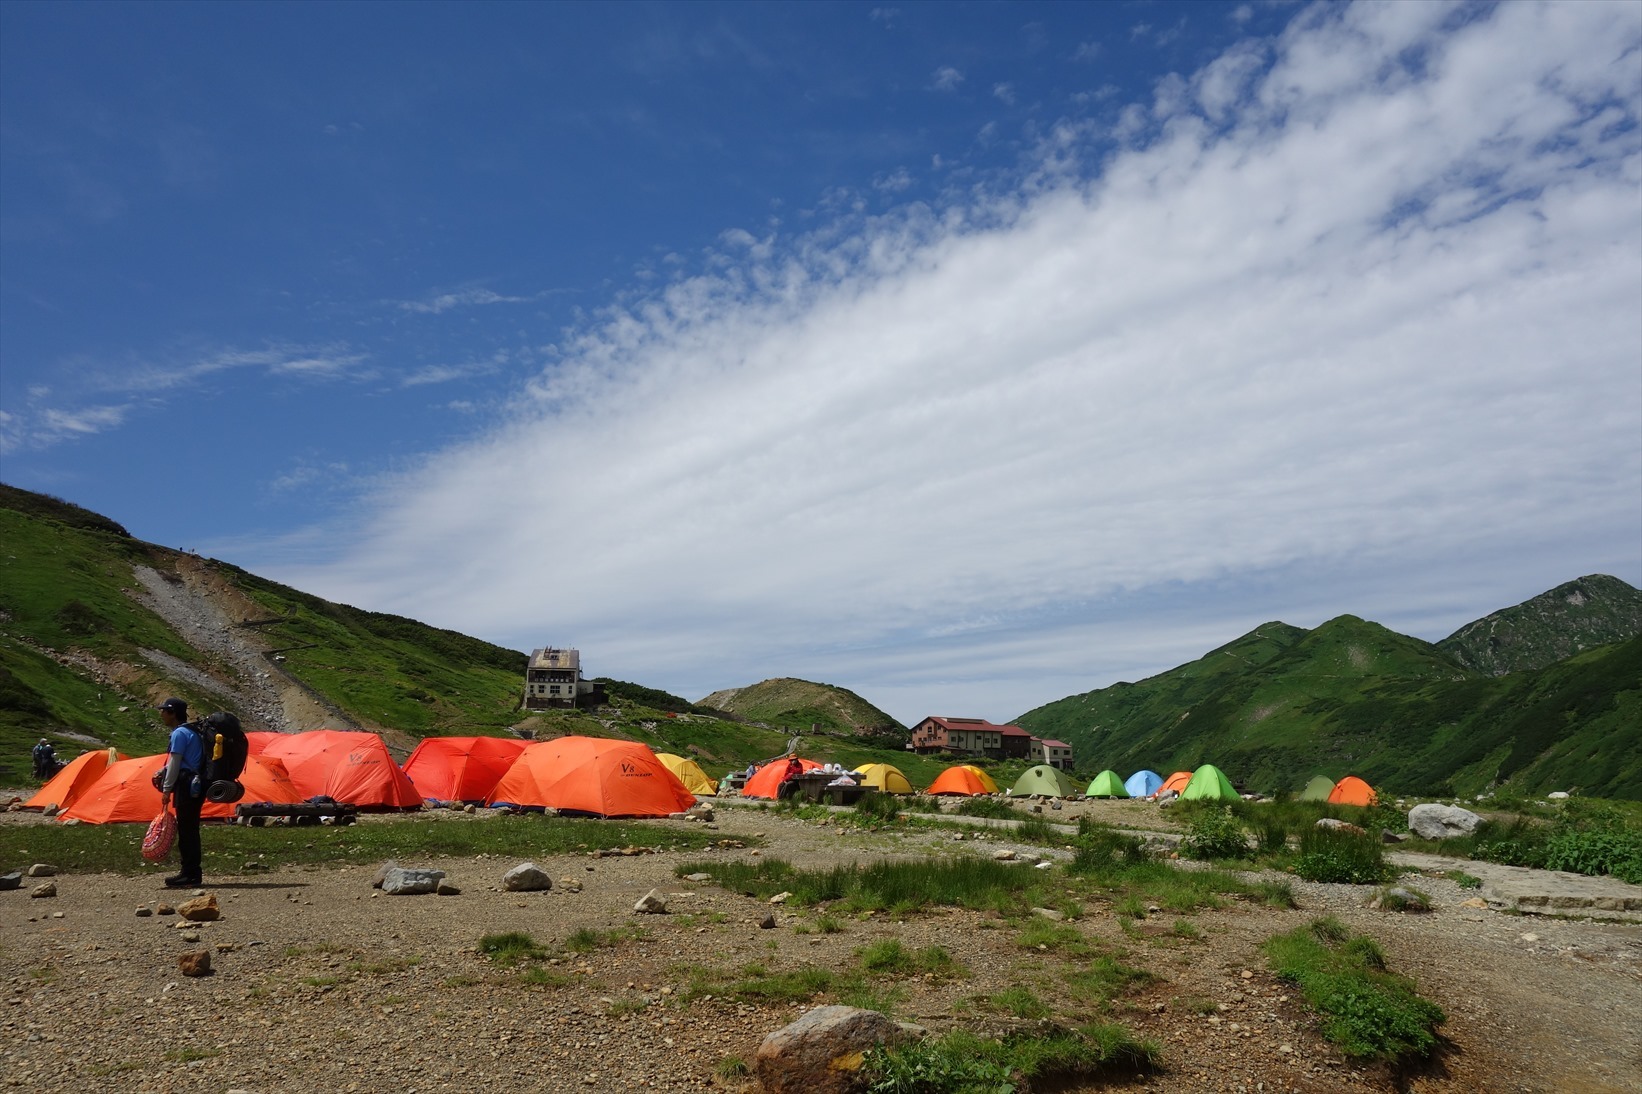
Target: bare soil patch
321, 983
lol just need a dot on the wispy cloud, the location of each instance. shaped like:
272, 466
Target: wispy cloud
465, 298
946, 78
1004, 93
1358, 310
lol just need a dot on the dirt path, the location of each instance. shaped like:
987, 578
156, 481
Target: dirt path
322, 983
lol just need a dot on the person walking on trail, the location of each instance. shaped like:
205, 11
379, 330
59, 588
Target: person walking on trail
184, 784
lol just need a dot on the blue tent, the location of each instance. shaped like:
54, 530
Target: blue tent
1143, 784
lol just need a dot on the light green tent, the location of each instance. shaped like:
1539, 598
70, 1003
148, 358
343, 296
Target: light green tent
1107, 785
1043, 779
1209, 783
1318, 789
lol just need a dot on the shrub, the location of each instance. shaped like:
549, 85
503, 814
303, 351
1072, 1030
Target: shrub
1215, 834
1327, 854
1367, 1010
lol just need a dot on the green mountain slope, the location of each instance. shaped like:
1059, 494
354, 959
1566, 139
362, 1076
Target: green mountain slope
798, 705
1352, 697
84, 655
1591, 611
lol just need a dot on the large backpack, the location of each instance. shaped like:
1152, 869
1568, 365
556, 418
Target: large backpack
225, 747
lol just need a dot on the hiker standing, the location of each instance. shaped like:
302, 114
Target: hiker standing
184, 782
45, 760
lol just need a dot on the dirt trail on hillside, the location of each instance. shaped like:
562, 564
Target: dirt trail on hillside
211, 615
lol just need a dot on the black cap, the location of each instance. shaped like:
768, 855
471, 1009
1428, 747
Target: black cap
175, 706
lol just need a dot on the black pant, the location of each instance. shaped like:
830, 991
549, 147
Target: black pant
188, 828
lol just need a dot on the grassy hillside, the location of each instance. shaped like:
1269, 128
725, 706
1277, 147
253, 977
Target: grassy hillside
799, 704
1596, 610
1354, 698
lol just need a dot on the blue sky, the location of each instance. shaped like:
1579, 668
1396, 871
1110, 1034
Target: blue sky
966, 355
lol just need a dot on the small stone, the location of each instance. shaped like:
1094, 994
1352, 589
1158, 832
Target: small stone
13, 880
699, 877
1530, 937
144, 912
1005, 855
1050, 914
651, 903
45, 889
41, 869
406, 881
1246, 974
1474, 902
445, 888
570, 885
202, 909
780, 898
195, 963
526, 877
164, 909
767, 923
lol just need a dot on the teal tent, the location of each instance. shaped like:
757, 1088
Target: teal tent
1143, 783
1049, 781
1209, 783
1318, 789
1106, 785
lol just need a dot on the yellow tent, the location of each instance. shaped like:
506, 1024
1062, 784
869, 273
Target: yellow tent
689, 773
886, 778
986, 780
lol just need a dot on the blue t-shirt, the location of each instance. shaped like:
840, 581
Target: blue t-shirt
189, 748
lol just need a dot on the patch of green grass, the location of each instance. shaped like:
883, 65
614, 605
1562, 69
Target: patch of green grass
891, 956
626, 1005
1186, 929
322, 981
757, 984
511, 948
1039, 933
1367, 1010
1020, 1001
1196, 1004
1103, 979
992, 808
898, 886
1330, 855
960, 1061
103, 1071
732, 1067
1463, 879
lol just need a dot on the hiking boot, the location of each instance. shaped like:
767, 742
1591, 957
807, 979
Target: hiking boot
181, 881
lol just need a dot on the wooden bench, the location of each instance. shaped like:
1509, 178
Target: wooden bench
256, 812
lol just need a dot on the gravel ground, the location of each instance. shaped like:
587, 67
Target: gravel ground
322, 983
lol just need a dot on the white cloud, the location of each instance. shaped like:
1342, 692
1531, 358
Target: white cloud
947, 78
1004, 93
1375, 325
466, 298
894, 182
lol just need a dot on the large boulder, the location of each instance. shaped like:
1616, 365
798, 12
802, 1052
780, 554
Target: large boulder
1442, 821
822, 1052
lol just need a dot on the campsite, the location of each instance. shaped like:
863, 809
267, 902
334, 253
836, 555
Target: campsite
313, 962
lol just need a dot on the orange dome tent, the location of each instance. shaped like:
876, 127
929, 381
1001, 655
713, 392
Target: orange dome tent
1353, 791
125, 793
1176, 782
461, 769
65, 787
257, 739
352, 768
592, 775
767, 779
963, 779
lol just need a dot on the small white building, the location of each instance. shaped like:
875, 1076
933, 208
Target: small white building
553, 678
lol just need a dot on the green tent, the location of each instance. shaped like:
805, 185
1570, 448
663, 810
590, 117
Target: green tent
1049, 781
1209, 783
1107, 785
1318, 789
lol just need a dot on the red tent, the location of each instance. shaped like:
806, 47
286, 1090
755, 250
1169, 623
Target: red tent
1353, 791
125, 792
767, 779
461, 769
958, 780
256, 740
592, 775
63, 788
353, 768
